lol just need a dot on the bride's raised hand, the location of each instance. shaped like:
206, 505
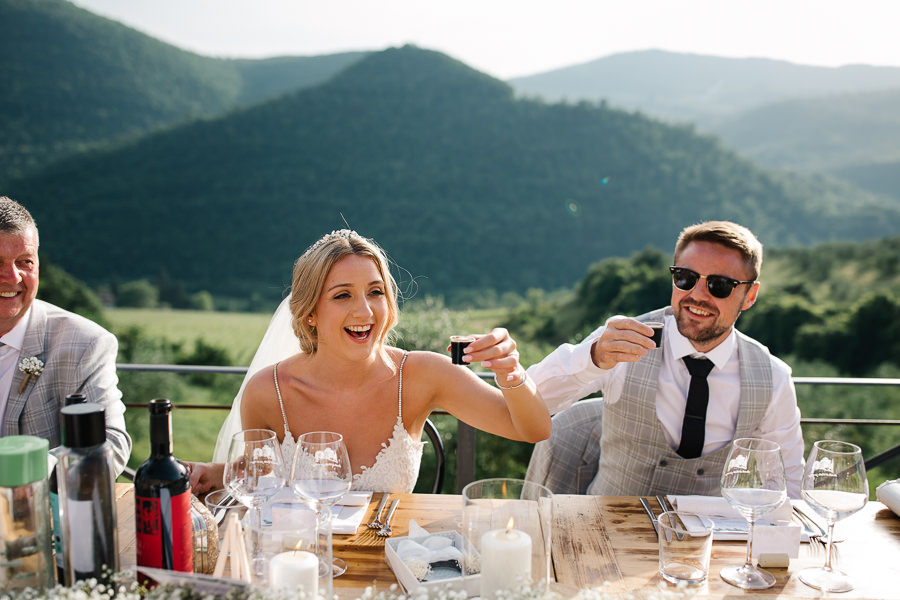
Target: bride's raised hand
497, 351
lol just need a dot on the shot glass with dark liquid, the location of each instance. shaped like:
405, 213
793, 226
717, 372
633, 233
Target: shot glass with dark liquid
657, 332
457, 344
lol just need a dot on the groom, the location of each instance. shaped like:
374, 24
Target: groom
47, 353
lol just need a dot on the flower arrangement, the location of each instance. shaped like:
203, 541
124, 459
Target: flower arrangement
118, 589
32, 367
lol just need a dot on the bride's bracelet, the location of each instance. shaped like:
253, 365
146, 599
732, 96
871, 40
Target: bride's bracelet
512, 387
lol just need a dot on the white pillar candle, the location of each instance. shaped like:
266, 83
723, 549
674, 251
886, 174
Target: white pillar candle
294, 570
505, 560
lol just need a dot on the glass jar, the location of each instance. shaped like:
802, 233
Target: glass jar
26, 557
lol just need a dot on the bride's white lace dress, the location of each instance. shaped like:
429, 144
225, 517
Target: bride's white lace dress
396, 466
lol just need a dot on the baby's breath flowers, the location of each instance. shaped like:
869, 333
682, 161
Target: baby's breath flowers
32, 367
118, 589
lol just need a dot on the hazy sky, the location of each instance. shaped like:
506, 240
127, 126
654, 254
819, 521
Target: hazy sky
508, 38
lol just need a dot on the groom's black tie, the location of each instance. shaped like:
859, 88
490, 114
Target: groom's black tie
693, 430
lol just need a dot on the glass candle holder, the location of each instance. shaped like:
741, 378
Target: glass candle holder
288, 526
507, 524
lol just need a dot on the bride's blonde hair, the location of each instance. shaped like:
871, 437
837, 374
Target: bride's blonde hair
311, 270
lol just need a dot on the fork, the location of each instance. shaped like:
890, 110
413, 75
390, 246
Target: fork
376, 521
386, 530
821, 538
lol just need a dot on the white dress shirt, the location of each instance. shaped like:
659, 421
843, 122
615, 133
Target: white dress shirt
12, 342
569, 374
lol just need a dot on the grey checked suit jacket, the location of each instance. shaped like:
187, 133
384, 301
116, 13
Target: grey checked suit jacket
79, 357
567, 462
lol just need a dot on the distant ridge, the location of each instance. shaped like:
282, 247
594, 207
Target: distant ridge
465, 186
694, 87
73, 79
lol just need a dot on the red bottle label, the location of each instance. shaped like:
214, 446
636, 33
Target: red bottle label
164, 532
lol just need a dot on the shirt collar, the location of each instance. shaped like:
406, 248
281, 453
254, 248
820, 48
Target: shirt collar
15, 337
680, 346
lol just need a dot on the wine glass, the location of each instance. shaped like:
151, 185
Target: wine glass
253, 474
835, 486
321, 475
753, 483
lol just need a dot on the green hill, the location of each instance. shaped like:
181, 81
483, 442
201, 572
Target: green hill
824, 134
73, 79
881, 178
465, 186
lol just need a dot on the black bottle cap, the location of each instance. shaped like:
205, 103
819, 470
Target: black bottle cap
84, 425
160, 406
74, 399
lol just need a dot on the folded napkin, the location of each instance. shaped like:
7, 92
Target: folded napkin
728, 524
346, 516
888, 493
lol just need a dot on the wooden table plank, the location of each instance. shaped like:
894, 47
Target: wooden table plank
579, 532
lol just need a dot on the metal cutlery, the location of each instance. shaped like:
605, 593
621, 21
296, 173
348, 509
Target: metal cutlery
376, 521
652, 516
222, 509
666, 506
385, 531
816, 532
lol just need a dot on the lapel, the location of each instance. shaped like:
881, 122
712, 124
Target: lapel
32, 345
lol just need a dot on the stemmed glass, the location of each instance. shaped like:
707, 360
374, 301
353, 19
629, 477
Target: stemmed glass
253, 474
753, 483
835, 486
321, 475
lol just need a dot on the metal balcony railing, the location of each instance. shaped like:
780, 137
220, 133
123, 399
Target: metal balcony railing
465, 435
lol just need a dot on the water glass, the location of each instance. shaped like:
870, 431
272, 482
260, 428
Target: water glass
685, 544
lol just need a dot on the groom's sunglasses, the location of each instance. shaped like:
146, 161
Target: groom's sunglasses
718, 285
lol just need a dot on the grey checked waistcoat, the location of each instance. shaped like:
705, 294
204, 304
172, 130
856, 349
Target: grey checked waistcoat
636, 459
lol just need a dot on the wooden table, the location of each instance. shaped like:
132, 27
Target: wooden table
599, 539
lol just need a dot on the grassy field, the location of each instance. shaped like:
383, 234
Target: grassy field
239, 333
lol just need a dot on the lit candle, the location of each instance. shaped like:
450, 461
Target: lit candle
295, 569
505, 560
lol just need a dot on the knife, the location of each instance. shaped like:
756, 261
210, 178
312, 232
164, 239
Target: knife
666, 506
653, 520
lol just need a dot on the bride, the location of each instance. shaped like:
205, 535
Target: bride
326, 364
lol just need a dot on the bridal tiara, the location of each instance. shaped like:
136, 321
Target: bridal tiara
337, 233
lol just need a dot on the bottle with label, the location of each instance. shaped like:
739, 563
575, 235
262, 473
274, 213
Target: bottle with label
162, 497
54, 495
87, 498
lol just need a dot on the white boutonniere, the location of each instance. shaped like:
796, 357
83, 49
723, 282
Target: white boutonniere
32, 367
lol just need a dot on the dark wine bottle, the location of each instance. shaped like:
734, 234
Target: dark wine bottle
54, 496
162, 500
87, 497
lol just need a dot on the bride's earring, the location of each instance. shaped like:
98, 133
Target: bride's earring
310, 321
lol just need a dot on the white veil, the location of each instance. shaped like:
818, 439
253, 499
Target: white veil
278, 343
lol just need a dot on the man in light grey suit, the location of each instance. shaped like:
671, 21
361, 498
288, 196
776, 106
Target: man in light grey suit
47, 353
667, 429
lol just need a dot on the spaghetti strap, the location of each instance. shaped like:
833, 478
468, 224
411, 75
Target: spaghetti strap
287, 430
400, 392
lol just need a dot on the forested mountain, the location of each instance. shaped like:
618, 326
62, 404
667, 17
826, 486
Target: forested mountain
837, 121
881, 178
855, 136
72, 79
465, 186
698, 88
